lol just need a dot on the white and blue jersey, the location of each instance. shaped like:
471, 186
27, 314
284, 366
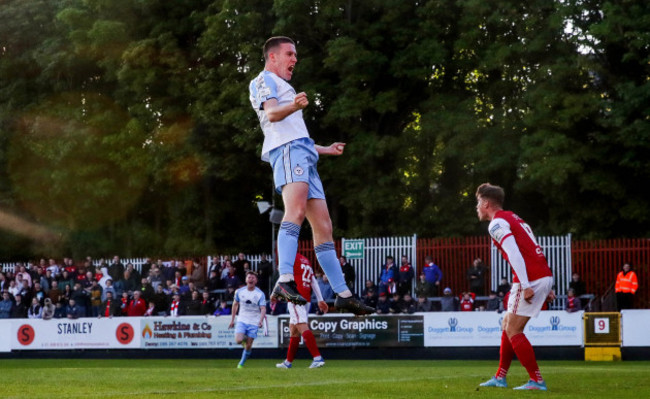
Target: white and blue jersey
266, 86
249, 305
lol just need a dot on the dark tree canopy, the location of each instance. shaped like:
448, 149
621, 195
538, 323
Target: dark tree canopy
125, 127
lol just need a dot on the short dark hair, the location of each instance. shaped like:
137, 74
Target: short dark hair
495, 194
251, 272
274, 42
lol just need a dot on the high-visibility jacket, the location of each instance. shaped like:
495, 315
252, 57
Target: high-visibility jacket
626, 282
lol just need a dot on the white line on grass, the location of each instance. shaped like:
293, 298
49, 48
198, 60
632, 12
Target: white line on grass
256, 387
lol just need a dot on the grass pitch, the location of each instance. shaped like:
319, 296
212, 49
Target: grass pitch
70, 378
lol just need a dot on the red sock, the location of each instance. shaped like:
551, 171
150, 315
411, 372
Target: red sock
526, 356
294, 342
310, 342
506, 353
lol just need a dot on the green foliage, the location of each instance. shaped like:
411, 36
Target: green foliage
126, 126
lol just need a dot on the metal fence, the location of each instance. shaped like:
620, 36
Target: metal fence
597, 261
557, 250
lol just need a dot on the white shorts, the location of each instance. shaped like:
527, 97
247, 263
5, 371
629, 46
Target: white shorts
297, 313
518, 305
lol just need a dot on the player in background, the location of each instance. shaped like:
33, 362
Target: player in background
293, 157
305, 281
251, 304
532, 284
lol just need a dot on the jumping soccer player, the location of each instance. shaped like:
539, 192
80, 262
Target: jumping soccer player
251, 303
305, 281
293, 157
532, 284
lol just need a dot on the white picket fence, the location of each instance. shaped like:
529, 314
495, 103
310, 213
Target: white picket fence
375, 252
556, 248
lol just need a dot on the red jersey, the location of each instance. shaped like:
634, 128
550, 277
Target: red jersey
466, 305
506, 224
302, 273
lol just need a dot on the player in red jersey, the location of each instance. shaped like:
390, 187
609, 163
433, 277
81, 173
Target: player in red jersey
305, 282
532, 283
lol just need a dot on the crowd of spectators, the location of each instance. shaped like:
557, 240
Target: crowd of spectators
50, 289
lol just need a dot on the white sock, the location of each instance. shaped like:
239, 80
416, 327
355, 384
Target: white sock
345, 294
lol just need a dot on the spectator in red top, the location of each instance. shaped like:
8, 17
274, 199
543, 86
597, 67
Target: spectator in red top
467, 302
137, 306
572, 302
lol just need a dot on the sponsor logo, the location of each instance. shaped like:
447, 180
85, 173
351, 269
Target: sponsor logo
454, 327
146, 332
124, 333
555, 322
453, 322
26, 334
298, 171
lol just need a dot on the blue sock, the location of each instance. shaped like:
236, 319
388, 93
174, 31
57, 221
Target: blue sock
287, 246
245, 354
326, 256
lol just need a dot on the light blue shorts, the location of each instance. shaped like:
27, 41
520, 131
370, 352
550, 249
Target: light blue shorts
248, 330
296, 162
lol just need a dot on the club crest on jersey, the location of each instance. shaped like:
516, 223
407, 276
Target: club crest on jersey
298, 171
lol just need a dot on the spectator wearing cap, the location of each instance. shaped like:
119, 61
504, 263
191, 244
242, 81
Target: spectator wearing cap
383, 306
448, 302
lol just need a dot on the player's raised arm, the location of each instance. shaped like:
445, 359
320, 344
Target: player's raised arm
322, 305
276, 113
332, 149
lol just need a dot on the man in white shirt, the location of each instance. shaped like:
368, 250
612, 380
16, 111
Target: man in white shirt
293, 157
250, 301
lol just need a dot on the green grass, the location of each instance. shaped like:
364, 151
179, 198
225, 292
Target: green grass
65, 378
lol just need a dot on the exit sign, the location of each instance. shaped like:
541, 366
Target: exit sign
353, 249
